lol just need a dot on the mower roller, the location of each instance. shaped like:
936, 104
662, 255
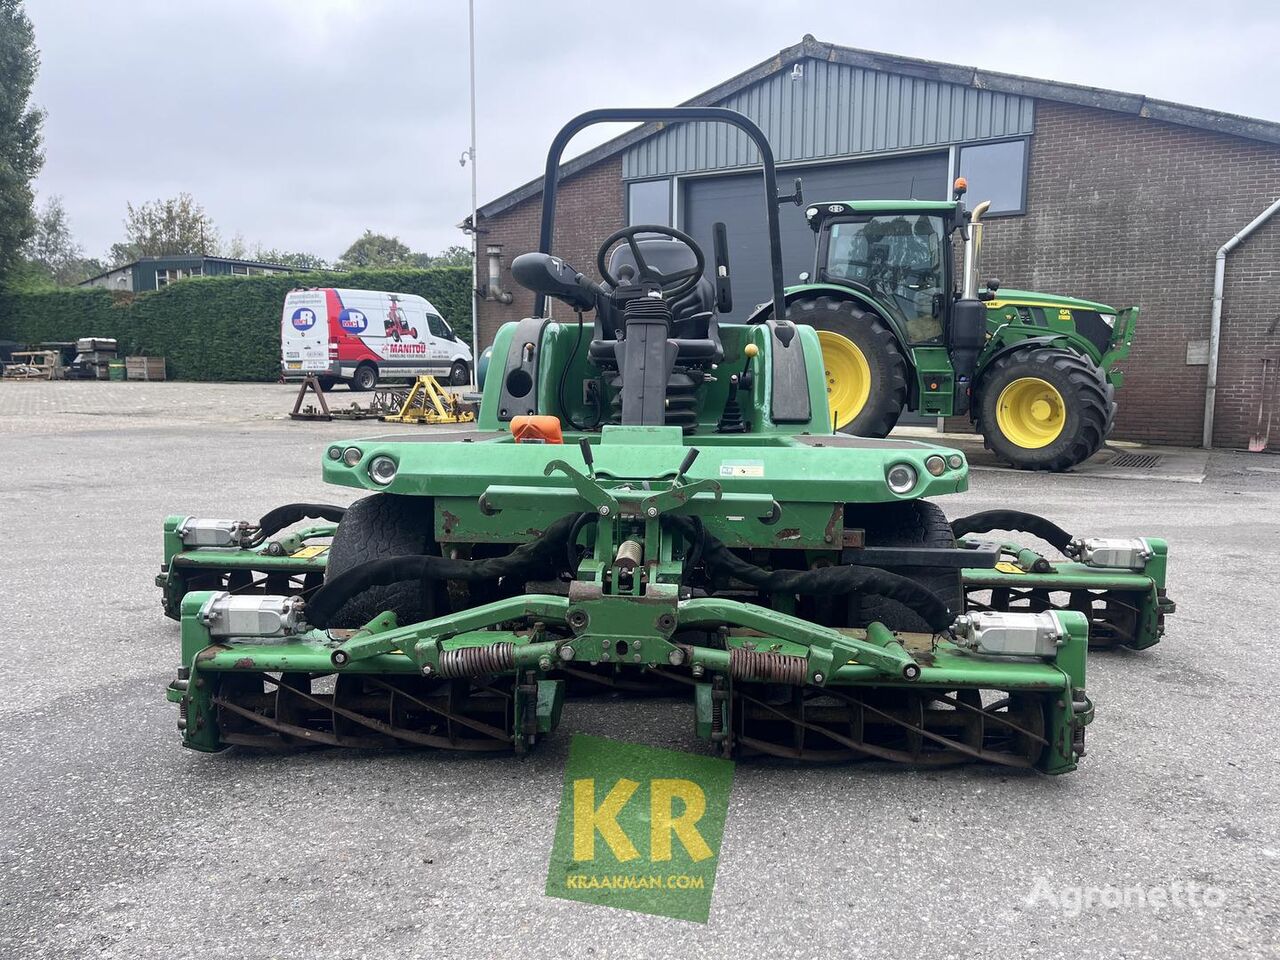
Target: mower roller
654, 500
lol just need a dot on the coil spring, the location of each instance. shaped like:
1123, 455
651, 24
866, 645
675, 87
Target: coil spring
769, 667
477, 661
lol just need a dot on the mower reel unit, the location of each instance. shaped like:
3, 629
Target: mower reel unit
649, 500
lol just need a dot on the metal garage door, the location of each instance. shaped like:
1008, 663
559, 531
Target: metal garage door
738, 200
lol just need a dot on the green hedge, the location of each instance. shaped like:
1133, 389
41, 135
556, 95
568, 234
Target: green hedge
212, 328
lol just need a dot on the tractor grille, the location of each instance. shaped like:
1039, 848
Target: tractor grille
1139, 461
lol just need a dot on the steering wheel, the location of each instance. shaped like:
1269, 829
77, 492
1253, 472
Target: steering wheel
687, 279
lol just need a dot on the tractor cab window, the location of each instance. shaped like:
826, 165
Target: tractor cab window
900, 259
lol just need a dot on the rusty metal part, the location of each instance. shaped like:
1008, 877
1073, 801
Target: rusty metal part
364, 711
924, 728
762, 665
477, 661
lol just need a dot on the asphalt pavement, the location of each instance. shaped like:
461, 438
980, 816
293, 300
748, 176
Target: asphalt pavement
118, 843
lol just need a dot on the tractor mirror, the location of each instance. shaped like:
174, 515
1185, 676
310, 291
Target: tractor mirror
797, 194
543, 273
724, 292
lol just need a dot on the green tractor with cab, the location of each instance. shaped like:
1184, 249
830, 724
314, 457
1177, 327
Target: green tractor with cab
652, 500
881, 296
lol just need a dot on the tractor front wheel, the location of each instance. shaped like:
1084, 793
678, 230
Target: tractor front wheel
379, 527
865, 372
1044, 409
905, 523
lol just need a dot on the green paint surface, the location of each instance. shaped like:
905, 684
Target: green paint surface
640, 828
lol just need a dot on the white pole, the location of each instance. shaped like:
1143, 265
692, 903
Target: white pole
475, 226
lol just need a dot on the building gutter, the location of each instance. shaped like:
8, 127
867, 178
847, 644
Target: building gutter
1215, 324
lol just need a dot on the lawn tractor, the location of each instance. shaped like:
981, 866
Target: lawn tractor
1042, 388
651, 500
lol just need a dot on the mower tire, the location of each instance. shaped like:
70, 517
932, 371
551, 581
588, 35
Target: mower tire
865, 372
905, 523
1044, 409
375, 528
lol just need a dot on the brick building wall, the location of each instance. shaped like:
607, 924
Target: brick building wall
588, 208
1121, 209
1127, 210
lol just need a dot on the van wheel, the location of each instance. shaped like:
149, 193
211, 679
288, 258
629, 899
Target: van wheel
459, 376
366, 377
326, 383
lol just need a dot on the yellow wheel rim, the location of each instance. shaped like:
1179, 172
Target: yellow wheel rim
1030, 413
848, 377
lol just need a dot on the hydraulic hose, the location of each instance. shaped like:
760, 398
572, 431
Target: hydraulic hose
824, 581
273, 521
543, 556
549, 553
1046, 530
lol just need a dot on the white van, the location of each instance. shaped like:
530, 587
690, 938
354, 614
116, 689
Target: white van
363, 336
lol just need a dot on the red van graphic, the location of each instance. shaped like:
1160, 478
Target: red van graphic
396, 325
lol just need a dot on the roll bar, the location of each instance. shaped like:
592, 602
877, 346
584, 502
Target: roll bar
783, 329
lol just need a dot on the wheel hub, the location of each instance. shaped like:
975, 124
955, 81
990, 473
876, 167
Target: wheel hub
1031, 412
848, 377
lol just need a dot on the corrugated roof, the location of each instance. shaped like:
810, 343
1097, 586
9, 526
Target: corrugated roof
1007, 83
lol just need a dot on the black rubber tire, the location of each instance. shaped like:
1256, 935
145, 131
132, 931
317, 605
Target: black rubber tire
1111, 408
905, 523
878, 344
327, 383
1084, 394
460, 375
365, 377
380, 526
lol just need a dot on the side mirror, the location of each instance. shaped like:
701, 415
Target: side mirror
797, 194
543, 273
724, 291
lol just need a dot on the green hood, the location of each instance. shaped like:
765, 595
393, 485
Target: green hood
1004, 295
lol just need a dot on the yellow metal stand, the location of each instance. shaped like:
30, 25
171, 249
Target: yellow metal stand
428, 402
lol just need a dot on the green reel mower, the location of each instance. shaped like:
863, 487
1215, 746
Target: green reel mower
651, 500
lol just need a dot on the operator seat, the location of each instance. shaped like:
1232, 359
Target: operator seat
693, 320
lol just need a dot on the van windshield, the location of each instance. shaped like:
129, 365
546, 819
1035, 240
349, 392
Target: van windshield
899, 258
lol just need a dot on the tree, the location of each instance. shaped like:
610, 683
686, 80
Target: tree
53, 252
20, 155
298, 260
375, 250
454, 256
170, 227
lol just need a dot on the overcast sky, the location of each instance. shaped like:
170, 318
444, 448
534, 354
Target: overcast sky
299, 123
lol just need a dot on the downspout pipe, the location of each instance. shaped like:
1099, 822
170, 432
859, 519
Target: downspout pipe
1215, 324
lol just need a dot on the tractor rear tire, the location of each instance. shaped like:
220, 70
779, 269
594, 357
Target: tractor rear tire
375, 528
1044, 409
863, 364
1111, 408
905, 523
